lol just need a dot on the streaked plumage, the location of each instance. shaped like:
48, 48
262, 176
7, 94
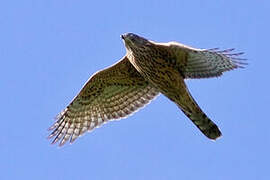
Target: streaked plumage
148, 69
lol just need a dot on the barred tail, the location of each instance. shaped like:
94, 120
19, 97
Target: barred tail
191, 109
206, 126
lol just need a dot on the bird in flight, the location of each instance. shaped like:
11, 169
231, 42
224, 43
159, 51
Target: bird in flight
147, 70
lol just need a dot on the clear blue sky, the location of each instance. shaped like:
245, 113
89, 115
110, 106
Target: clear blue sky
48, 49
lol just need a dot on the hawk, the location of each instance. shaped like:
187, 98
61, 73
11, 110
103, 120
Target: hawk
147, 70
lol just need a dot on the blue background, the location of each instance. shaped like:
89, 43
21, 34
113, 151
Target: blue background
48, 49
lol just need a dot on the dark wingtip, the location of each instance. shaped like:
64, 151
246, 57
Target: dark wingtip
234, 57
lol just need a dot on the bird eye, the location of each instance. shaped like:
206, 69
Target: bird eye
132, 37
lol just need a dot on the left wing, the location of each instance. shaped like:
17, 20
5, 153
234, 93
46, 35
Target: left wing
112, 93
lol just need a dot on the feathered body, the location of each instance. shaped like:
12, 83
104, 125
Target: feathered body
149, 68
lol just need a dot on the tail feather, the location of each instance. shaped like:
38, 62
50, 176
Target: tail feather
192, 110
205, 125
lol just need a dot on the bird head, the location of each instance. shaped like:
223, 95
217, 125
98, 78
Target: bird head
133, 41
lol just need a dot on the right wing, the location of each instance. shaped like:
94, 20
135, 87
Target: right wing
113, 93
203, 63
211, 63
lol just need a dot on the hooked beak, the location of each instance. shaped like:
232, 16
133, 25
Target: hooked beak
123, 36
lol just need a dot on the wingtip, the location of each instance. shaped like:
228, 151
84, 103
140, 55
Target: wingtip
50, 136
51, 127
62, 143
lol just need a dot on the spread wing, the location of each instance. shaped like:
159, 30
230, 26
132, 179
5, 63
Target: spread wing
205, 63
112, 93
211, 63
